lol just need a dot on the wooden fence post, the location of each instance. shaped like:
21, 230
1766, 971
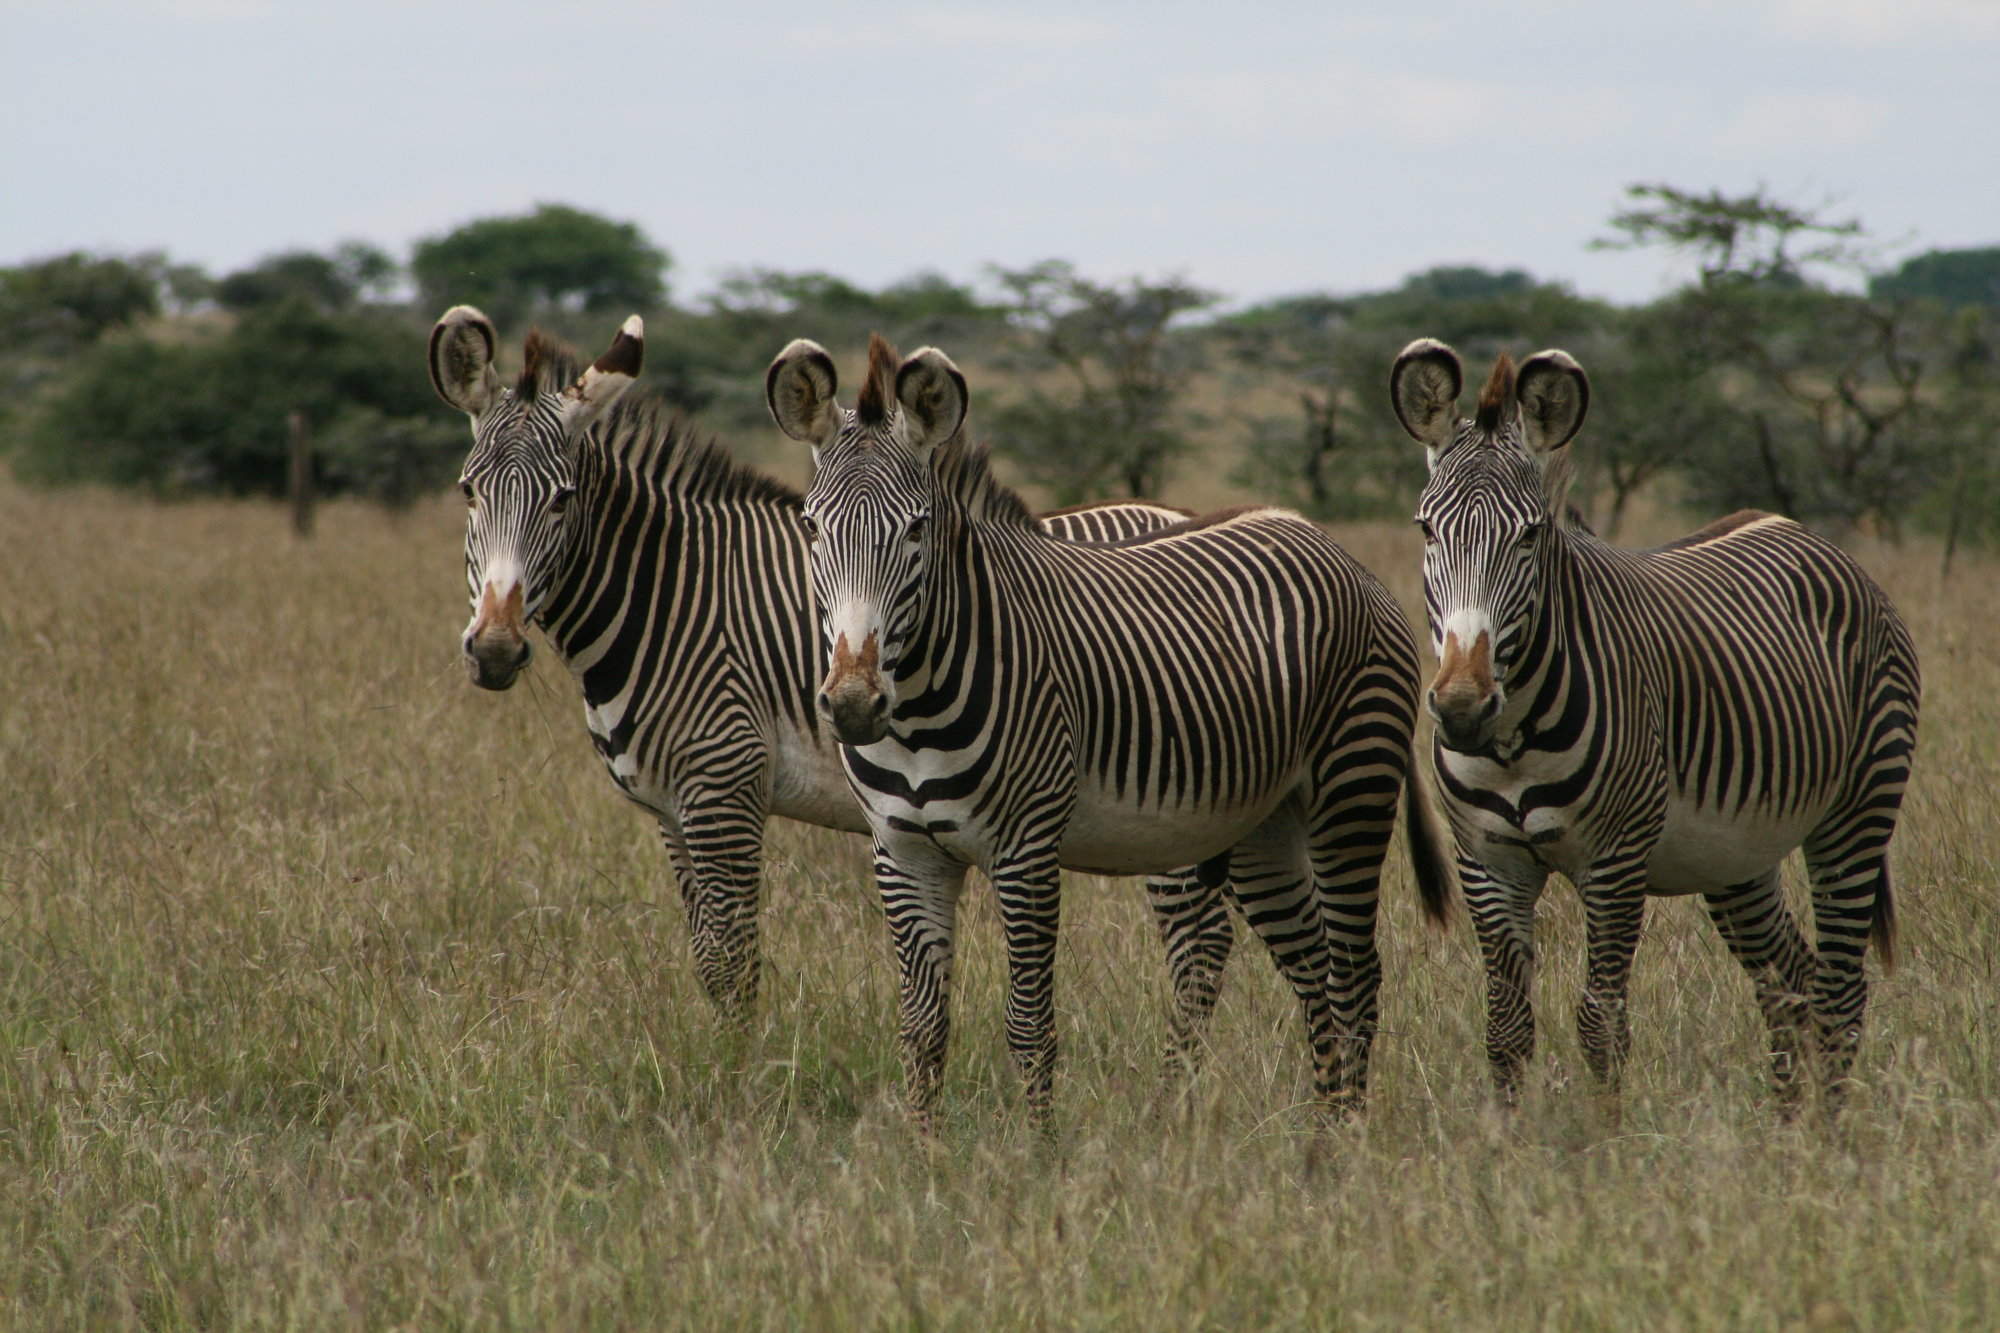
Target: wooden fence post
300, 487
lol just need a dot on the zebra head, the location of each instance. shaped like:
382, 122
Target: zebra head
521, 472
1487, 516
868, 512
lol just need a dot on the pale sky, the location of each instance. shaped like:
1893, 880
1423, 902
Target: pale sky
1256, 149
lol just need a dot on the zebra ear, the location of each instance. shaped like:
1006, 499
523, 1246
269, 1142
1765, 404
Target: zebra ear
1424, 385
799, 389
461, 360
608, 377
1554, 395
933, 397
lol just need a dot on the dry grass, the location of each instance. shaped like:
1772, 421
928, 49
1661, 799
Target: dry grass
334, 993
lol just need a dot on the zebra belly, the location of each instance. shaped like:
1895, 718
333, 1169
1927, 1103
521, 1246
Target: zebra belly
1700, 848
1110, 839
1703, 848
809, 784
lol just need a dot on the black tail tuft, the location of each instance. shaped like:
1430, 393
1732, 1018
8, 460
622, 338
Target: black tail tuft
1429, 857
1882, 929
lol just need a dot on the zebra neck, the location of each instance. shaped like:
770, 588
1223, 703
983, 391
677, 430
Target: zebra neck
949, 666
1546, 704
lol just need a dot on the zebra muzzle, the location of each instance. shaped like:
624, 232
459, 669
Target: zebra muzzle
852, 700
1465, 700
496, 642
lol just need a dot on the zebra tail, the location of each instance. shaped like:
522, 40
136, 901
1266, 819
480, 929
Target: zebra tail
1429, 857
1882, 929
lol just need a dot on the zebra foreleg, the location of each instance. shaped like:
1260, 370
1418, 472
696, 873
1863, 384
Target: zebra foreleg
1029, 894
1503, 920
1614, 912
920, 900
1760, 932
704, 940
1192, 913
723, 837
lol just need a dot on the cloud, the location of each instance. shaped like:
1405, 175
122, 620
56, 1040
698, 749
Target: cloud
957, 28
1805, 120
1885, 22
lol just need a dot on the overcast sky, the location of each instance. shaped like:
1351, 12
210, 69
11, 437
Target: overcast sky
1256, 149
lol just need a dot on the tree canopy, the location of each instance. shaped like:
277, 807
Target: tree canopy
556, 257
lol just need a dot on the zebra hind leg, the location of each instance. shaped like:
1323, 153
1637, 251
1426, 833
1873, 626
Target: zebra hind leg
1191, 910
1852, 902
1269, 878
1762, 934
1347, 841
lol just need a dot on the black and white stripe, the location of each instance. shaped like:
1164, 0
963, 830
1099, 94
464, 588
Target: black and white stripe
673, 584
1233, 690
1668, 721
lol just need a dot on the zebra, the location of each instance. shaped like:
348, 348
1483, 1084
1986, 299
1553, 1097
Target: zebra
1232, 690
1664, 722
672, 582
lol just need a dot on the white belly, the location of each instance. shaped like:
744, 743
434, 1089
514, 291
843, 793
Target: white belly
1703, 849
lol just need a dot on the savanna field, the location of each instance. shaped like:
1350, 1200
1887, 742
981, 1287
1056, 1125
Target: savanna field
335, 993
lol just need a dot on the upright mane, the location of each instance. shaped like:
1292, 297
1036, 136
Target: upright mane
878, 386
548, 365
650, 440
1497, 396
965, 472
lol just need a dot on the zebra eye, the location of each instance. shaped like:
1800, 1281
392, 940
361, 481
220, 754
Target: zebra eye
1529, 536
811, 527
914, 530
1424, 531
466, 487
560, 500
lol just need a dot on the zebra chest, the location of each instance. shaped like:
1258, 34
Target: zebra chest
1527, 815
612, 741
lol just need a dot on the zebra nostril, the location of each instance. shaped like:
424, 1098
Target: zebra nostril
825, 703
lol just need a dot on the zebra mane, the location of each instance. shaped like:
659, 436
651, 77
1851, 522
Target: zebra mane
648, 439
878, 387
547, 364
1497, 396
965, 472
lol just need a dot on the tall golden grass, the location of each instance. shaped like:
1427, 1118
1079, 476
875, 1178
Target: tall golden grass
334, 993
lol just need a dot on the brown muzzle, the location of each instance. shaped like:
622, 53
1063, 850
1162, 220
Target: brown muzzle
1464, 699
852, 699
496, 642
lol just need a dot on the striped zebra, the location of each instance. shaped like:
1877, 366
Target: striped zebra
1668, 721
1233, 690
672, 582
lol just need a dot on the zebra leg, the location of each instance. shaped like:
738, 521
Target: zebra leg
1614, 911
1347, 841
1268, 876
1760, 932
722, 831
1192, 911
1503, 920
1029, 894
920, 887
1849, 866
704, 934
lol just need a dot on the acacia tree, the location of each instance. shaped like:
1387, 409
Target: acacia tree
555, 258
1104, 371
1816, 403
